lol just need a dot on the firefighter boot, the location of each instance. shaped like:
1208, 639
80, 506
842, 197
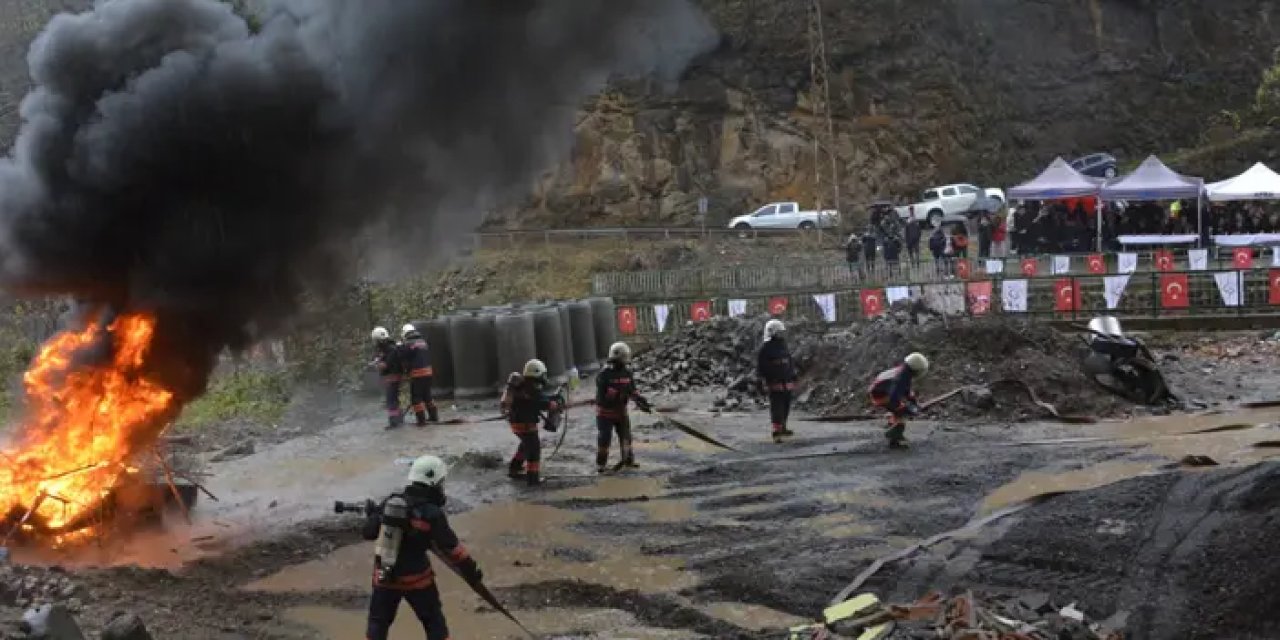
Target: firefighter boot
895, 435
532, 478
515, 469
422, 418
629, 457
433, 414
777, 433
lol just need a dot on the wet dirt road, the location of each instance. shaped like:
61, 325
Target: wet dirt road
696, 543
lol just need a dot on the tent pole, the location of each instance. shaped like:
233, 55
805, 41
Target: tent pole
1200, 218
1098, 215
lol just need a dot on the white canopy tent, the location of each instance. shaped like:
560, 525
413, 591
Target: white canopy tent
1258, 183
1152, 180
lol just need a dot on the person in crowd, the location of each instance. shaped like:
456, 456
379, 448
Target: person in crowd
852, 248
960, 241
869, 250
984, 235
938, 248
1000, 237
912, 238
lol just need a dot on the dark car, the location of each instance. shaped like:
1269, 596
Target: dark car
1097, 165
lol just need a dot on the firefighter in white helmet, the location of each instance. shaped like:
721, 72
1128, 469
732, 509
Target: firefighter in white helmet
777, 374
408, 526
388, 360
526, 402
417, 365
891, 390
615, 389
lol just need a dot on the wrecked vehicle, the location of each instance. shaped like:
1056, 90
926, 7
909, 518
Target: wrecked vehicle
1123, 365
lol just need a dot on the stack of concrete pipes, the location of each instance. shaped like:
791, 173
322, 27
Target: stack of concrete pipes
474, 351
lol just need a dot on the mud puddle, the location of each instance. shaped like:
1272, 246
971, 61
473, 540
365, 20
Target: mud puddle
644, 493
564, 624
1035, 483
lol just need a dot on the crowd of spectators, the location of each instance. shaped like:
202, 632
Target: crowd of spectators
1070, 226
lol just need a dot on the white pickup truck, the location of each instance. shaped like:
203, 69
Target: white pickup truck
785, 215
952, 203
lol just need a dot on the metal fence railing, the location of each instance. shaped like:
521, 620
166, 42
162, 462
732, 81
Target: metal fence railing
784, 278
1149, 294
525, 238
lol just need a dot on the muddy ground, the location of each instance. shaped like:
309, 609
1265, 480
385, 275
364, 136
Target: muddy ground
701, 543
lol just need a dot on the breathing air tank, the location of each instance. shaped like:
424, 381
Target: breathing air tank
604, 319
550, 342
584, 337
517, 343
475, 365
437, 334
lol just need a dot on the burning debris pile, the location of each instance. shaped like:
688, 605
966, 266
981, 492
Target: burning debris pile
187, 178
836, 366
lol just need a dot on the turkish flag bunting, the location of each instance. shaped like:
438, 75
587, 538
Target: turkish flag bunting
627, 321
1274, 285
872, 302
979, 297
1066, 295
778, 305
1029, 267
700, 311
1164, 260
962, 269
1173, 291
1097, 264
1242, 258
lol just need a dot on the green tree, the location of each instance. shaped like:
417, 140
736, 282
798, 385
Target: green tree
1268, 99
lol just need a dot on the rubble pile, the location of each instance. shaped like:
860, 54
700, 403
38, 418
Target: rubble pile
836, 365
1030, 616
25, 586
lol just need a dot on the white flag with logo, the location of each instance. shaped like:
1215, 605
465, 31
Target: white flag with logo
1275, 256
894, 294
1229, 286
1061, 265
737, 308
1013, 295
1198, 259
660, 313
1115, 286
826, 302
1126, 262
995, 266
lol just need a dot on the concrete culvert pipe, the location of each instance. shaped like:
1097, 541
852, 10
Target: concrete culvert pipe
475, 365
604, 319
516, 340
584, 337
550, 343
437, 335
566, 329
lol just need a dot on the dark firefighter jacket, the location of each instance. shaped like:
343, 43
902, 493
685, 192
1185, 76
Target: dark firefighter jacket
774, 365
615, 387
387, 358
427, 527
894, 385
525, 401
415, 357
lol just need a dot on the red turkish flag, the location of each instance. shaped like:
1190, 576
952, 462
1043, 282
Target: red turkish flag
1029, 267
962, 269
1097, 264
1164, 260
777, 306
979, 297
700, 311
627, 321
1274, 285
1242, 258
872, 302
1066, 295
1173, 291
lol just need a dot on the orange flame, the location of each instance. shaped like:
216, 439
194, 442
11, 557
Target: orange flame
86, 421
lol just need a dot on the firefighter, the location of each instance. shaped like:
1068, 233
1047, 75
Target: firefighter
615, 387
523, 403
387, 359
407, 527
891, 390
417, 363
777, 374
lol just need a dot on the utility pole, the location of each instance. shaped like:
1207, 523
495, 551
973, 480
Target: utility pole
822, 129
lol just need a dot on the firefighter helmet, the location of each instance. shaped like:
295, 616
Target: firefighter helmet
773, 328
379, 333
428, 470
535, 369
918, 364
407, 329
619, 352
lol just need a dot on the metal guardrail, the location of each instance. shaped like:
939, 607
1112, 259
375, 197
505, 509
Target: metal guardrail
523, 237
835, 275
1142, 298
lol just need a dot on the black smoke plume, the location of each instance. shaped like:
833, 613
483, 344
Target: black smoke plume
173, 161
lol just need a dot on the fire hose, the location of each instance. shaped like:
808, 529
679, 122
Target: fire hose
477, 586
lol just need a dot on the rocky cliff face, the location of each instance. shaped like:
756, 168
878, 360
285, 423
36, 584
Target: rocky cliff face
922, 91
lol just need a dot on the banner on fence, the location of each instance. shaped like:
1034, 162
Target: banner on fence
947, 299
1173, 291
962, 269
872, 302
777, 305
1198, 259
1114, 287
979, 297
1029, 267
1061, 265
1242, 258
1013, 296
1097, 264
700, 311
660, 314
737, 308
896, 294
1066, 295
826, 302
1164, 260
1126, 262
995, 267
1275, 256
1229, 286
627, 321
1273, 287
